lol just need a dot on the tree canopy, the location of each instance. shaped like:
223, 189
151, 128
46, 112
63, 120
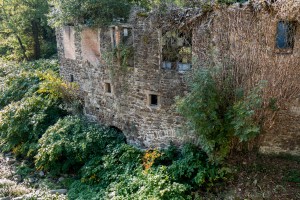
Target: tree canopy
24, 29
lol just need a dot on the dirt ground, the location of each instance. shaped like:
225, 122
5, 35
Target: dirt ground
261, 177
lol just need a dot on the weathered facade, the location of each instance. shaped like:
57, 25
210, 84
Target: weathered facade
133, 87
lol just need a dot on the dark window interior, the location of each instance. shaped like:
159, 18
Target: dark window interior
285, 35
114, 38
153, 100
107, 88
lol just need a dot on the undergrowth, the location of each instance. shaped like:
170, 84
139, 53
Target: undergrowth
217, 112
42, 123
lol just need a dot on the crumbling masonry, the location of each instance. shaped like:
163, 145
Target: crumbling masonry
129, 78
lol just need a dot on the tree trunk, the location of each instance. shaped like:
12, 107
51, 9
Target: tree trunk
22, 47
35, 35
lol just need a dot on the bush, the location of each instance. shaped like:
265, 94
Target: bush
24, 122
33, 98
219, 113
53, 86
16, 87
122, 159
87, 12
82, 191
153, 184
71, 142
22, 80
191, 165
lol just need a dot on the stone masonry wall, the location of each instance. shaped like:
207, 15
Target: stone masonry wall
127, 106
245, 39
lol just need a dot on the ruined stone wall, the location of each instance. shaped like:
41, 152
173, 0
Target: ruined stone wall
237, 36
127, 106
245, 41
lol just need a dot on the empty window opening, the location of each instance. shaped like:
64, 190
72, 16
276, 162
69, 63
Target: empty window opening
107, 88
71, 78
122, 43
285, 35
177, 50
153, 100
69, 42
90, 43
114, 38
127, 36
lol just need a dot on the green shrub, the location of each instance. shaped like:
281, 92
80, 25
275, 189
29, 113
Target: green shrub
18, 86
87, 12
23, 123
71, 142
53, 86
153, 184
82, 191
218, 112
122, 159
191, 165
23, 79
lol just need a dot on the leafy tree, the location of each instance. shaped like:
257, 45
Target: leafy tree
90, 12
24, 29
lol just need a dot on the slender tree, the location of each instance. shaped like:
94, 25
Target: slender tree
25, 20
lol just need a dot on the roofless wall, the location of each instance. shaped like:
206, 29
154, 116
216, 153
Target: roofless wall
134, 87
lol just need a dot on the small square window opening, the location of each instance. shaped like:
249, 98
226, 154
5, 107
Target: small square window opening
107, 88
153, 100
71, 78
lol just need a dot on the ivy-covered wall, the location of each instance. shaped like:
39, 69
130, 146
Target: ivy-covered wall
126, 84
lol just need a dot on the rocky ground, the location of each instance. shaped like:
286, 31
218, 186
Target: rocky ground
18, 181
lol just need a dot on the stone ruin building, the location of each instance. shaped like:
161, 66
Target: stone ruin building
129, 74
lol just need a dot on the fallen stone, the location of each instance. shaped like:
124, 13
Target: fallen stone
5, 198
60, 191
10, 160
18, 198
8, 154
17, 178
61, 179
112, 194
31, 180
41, 174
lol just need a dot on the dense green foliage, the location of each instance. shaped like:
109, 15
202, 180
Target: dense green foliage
23, 123
23, 76
89, 12
153, 184
191, 165
121, 175
26, 84
26, 114
122, 159
104, 12
74, 141
24, 31
217, 112
36, 123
